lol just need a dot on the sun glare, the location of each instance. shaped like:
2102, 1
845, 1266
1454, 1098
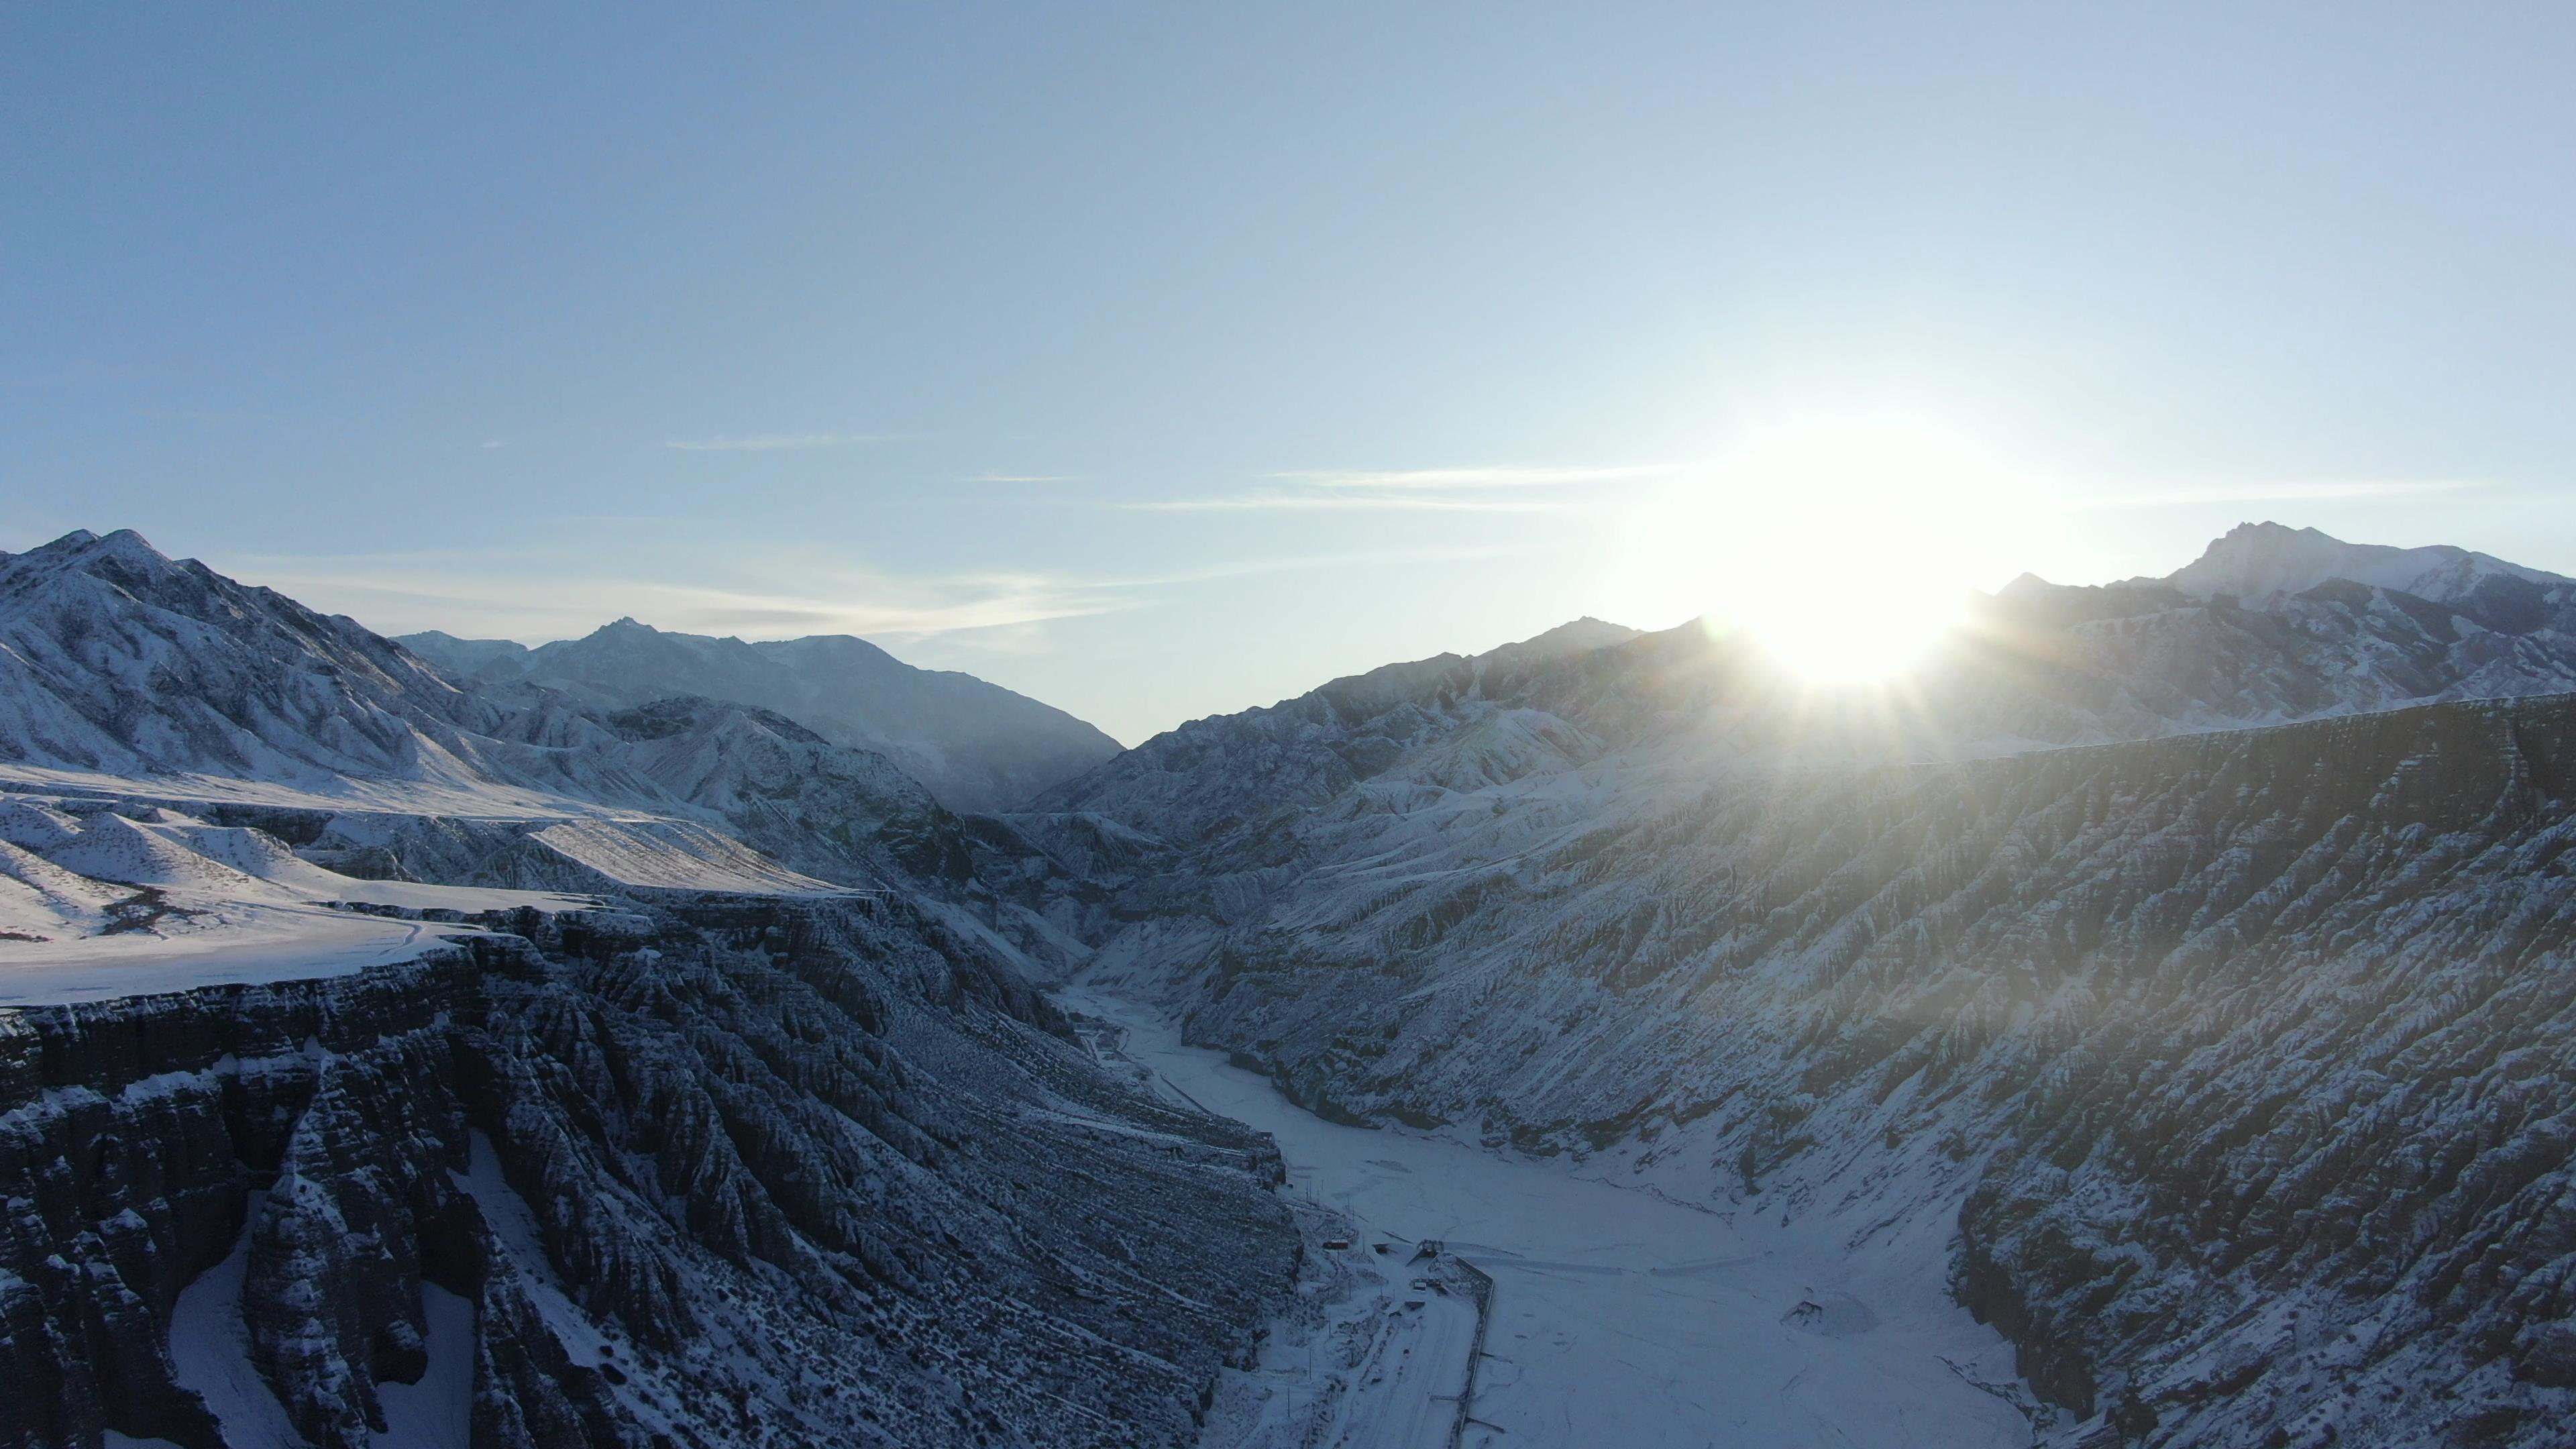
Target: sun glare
1845, 544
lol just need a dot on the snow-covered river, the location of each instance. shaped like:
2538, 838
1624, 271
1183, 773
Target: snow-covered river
1619, 1318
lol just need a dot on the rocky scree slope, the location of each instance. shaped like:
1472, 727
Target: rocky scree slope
732, 1171
975, 746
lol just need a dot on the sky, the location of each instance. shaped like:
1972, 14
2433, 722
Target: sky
1161, 361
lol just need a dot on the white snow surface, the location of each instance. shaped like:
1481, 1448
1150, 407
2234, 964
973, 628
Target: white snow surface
522, 1244
1621, 1316
210, 1351
119, 906
438, 1411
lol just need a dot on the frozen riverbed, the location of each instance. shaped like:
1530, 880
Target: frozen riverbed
1618, 1317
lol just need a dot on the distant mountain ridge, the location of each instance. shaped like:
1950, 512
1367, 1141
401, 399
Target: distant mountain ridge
2170, 1021
406, 1059
2259, 560
2036, 666
2140, 1045
972, 744
137, 673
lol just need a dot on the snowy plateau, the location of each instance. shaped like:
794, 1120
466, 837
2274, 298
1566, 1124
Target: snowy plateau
2150, 1020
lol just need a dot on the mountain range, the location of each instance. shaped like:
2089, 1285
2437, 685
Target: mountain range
973, 745
2182, 970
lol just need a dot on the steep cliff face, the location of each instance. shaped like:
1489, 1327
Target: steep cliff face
730, 1170
2246, 1061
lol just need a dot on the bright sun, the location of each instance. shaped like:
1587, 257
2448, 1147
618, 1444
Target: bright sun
1846, 544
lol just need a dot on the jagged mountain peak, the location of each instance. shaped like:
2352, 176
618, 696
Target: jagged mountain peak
2025, 585
974, 744
1572, 637
81, 548
2263, 560
132, 662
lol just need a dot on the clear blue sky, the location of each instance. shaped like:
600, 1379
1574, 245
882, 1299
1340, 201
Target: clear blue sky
1163, 361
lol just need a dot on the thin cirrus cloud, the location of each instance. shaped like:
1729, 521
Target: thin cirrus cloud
402, 594
2276, 490
1486, 477
1476, 489
489, 597
1250, 502
771, 442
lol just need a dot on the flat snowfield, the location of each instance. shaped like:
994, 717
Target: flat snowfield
253, 945
114, 907
1621, 1318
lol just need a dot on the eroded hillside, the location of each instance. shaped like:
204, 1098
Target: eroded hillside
2243, 1060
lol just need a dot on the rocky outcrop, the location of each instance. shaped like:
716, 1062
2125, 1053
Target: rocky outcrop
720, 1170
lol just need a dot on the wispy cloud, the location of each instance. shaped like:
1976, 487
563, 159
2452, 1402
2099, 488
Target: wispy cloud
400, 594
1481, 488
514, 597
1293, 563
2275, 490
772, 442
1487, 476
1258, 502
493, 444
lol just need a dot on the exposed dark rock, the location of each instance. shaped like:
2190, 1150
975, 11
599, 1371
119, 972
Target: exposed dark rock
805, 1176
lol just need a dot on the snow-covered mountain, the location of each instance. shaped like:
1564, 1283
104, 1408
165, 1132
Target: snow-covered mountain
2238, 1053
137, 675
2186, 1035
2180, 969
2261, 560
385, 1061
976, 746
2035, 666
125, 662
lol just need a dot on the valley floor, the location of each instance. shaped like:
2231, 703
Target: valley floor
1618, 1317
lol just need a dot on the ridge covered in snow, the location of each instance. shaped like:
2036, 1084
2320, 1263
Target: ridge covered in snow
132, 675
2220, 1062
974, 745
2260, 560
2173, 975
387, 1060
